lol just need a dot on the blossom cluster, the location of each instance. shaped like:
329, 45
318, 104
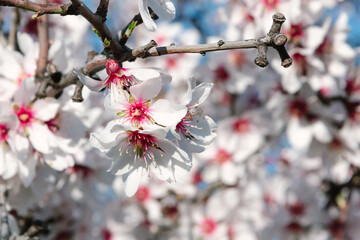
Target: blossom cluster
149, 134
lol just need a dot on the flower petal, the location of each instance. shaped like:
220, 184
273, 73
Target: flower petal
132, 181
46, 109
147, 89
90, 83
145, 15
165, 9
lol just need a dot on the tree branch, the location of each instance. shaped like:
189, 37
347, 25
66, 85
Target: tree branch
100, 26
62, 9
274, 39
102, 9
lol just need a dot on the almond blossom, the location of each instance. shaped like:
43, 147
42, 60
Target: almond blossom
136, 151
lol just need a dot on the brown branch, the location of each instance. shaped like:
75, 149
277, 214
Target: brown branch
89, 69
100, 26
62, 9
103, 9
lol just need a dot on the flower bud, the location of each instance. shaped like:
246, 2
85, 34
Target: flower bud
112, 66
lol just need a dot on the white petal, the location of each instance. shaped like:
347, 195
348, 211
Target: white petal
145, 15
46, 109
59, 160
90, 83
179, 162
167, 114
40, 137
200, 94
229, 173
165, 9
132, 181
299, 135
108, 137
147, 89
115, 100
27, 171
322, 132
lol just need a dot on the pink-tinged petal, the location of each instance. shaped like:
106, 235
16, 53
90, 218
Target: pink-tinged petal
146, 90
299, 134
167, 114
132, 180
26, 91
46, 109
200, 94
40, 137
27, 170
90, 83
165, 9
145, 15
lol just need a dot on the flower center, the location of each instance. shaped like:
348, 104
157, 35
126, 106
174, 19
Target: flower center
208, 226
270, 4
3, 132
222, 156
137, 112
221, 74
142, 194
298, 108
25, 115
185, 125
297, 209
242, 125
142, 145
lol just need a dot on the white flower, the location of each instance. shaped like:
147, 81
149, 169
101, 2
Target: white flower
195, 130
126, 78
135, 151
165, 9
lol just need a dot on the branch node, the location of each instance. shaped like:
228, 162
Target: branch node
172, 44
203, 53
280, 39
220, 43
261, 59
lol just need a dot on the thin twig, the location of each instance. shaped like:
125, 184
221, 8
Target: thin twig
43, 35
274, 39
13, 29
62, 9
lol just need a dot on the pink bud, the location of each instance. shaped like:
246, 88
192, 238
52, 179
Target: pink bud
112, 66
